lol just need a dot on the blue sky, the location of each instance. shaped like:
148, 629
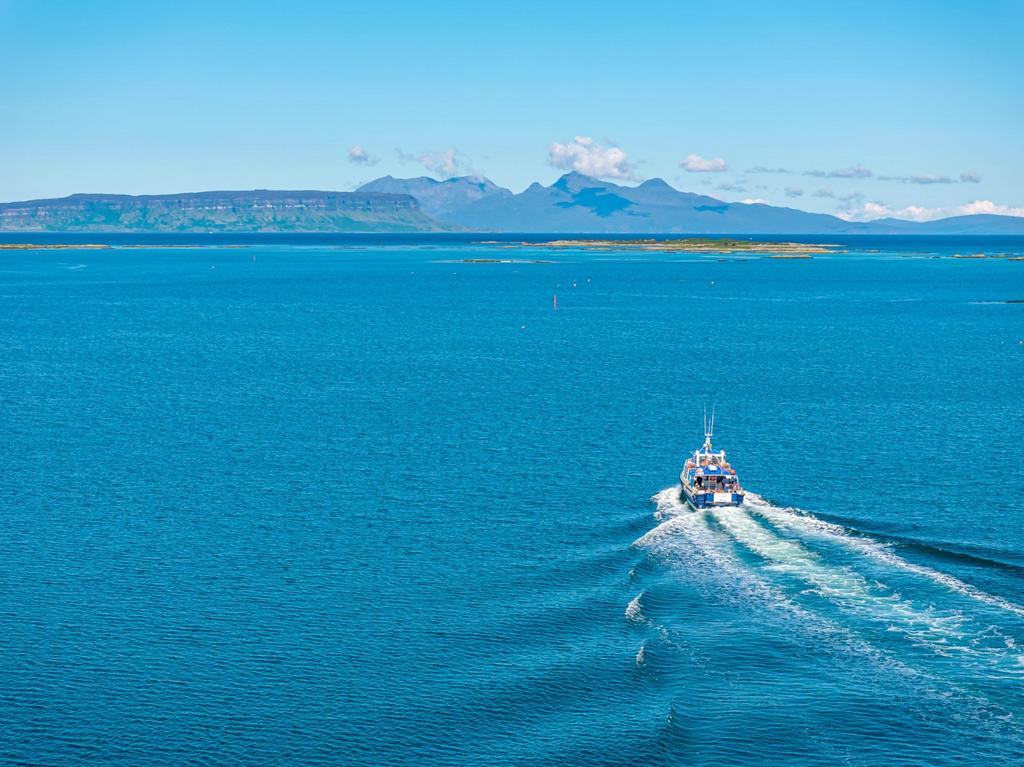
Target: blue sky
871, 108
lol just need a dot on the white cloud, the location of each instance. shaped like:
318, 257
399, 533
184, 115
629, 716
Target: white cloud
729, 186
920, 179
443, 164
967, 177
446, 163
930, 179
586, 156
850, 197
869, 211
854, 171
694, 163
755, 201
987, 206
360, 156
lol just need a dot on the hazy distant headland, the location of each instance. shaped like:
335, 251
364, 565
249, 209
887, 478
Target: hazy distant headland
573, 204
246, 211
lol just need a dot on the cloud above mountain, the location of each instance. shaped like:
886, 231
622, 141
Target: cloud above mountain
586, 156
359, 156
869, 211
444, 163
989, 207
694, 163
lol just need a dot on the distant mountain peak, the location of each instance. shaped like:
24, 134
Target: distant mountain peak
654, 184
481, 182
574, 180
438, 198
418, 179
575, 175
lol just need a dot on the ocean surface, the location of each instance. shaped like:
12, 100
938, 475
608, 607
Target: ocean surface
353, 501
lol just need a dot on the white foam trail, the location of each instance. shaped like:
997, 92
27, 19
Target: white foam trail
634, 612
708, 554
681, 525
800, 522
848, 589
709, 551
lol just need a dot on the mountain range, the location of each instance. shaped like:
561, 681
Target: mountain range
572, 204
581, 204
441, 199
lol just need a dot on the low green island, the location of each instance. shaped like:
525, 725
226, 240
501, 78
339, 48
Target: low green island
718, 245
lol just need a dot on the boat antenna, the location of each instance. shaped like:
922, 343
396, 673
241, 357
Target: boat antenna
709, 427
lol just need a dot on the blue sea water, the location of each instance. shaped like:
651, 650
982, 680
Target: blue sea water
352, 501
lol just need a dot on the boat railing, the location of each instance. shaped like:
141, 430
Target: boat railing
718, 489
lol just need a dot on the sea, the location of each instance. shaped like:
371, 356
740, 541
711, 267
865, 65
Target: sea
413, 500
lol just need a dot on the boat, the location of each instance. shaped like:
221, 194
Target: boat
708, 479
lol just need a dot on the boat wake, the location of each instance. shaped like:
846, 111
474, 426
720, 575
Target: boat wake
942, 631
802, 523
844, 593
765, 551
707, 553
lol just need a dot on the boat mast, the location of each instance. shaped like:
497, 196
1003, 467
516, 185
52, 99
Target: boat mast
709, 428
